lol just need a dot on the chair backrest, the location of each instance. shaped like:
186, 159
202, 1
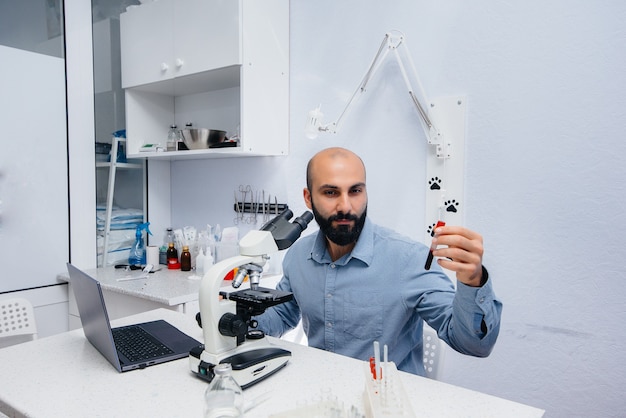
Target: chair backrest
434, 350
17, 321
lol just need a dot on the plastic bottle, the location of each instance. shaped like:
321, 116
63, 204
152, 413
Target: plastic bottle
223, 397
137, 254
200, 263
185, 259
172, 138
172, 257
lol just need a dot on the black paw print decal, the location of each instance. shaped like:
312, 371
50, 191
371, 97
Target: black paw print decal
451, 205
431, 230
435, 183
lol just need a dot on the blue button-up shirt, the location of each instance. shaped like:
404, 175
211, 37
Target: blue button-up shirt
380, 292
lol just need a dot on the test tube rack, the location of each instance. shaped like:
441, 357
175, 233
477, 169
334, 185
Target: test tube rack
385, 395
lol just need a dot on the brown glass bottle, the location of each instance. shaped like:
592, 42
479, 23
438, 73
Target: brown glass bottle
185, 259
172, 257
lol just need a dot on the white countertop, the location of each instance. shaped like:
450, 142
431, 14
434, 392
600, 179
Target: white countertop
64, 375
169, 287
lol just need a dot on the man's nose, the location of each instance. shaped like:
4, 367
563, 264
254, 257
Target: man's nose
343, 204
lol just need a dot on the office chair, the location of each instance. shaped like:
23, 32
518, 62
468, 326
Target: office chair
17, 322
433, 353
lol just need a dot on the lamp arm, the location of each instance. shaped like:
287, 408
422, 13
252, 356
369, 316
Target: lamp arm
392, 42
432, 133
374, 66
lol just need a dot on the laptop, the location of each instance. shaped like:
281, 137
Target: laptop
129, 347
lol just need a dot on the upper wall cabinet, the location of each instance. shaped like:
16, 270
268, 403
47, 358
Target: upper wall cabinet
217, 64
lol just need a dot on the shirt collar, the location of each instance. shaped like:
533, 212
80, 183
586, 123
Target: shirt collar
363, 250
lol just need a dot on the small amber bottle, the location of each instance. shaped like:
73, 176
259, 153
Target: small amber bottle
185, 259
172, 257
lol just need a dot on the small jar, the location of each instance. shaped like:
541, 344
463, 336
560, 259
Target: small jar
172, 257
185, 259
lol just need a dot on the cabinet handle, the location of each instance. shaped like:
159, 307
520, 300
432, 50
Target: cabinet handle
179, 62
164, 67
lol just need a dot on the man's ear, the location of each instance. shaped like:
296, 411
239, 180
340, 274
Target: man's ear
307, 197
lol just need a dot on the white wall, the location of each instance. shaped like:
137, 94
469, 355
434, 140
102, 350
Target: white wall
545, 178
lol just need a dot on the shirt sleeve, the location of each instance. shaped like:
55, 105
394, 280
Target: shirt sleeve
475, 322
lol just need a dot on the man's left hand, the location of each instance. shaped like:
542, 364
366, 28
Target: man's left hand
460, 250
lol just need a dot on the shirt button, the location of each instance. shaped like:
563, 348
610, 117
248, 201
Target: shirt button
329, 325
329, 295
481, 300
332, 265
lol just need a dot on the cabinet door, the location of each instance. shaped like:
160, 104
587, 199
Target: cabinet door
147, 46
206, 36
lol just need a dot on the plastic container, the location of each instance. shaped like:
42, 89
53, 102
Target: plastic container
163, 255
200, 262
224, 397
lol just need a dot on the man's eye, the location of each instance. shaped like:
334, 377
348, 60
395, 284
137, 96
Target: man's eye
330, 192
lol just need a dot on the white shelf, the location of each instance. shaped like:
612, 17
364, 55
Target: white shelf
216, 79
230, 152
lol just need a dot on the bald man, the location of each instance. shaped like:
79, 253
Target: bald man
355, 282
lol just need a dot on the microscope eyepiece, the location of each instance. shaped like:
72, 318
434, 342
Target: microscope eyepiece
284, 232
279, 219
304, 219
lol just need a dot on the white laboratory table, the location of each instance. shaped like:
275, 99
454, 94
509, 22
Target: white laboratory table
64, 375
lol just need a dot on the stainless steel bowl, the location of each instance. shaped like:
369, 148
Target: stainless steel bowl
202, 138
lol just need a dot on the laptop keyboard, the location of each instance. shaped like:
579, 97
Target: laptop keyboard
137, 345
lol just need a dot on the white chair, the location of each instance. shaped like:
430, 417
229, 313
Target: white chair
17, 322
434, 350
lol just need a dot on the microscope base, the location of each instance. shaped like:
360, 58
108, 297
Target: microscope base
249, 367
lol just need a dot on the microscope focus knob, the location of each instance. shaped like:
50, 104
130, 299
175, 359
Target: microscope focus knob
232, 325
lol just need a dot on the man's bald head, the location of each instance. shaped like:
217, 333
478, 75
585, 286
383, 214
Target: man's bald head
334, 155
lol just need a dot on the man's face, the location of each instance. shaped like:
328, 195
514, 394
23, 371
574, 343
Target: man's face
338, 197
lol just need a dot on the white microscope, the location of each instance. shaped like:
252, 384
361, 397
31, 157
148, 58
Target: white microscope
225, 321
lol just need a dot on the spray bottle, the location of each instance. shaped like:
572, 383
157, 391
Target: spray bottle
137, 254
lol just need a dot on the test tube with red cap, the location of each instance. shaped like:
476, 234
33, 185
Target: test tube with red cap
429, 260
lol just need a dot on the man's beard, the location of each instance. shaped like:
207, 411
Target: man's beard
343, 234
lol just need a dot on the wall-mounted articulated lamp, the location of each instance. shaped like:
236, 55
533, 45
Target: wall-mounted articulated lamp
393, 42
443, 121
